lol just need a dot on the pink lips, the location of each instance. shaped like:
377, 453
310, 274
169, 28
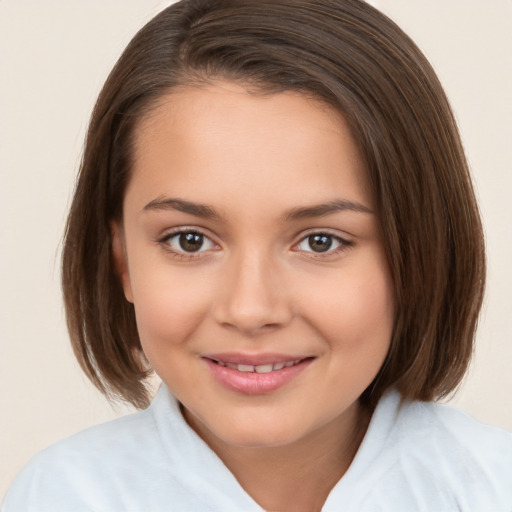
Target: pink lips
255, 374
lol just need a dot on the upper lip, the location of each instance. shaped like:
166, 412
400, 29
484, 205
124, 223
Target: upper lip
254, 359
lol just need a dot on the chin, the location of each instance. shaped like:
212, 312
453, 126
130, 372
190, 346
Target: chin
246, 431
259, 438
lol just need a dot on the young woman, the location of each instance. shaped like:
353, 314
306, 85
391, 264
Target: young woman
274, 214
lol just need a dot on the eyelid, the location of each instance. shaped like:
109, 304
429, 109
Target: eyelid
168, 235
186, 228
345, 242
335, 233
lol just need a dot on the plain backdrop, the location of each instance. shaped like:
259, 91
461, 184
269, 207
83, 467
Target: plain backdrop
54, 57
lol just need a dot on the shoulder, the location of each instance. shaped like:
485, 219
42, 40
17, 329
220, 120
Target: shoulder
68, 474
150, 460
453, 434
442, 451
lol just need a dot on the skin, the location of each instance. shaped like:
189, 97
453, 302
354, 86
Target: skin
257, 285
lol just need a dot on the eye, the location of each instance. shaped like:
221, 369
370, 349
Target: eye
189, 242
321, 243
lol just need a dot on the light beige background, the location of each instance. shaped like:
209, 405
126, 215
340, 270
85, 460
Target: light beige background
54, 57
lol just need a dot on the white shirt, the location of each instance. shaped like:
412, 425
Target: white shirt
415, 457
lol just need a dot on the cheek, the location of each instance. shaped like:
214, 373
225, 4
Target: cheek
355, 313
168, 308
357, 326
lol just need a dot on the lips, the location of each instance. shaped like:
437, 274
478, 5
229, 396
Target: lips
255, 374
261, 368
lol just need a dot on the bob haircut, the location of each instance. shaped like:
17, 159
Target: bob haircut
353, 58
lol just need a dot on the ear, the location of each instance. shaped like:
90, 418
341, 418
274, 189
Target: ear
120, 259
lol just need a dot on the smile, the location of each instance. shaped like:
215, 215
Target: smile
262, 368
255, 375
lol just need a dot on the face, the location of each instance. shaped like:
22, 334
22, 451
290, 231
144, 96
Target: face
252, 255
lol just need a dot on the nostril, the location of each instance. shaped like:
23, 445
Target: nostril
250, 299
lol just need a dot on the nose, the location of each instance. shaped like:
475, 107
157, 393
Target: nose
253, 298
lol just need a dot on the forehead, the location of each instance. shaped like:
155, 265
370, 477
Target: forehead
221, 136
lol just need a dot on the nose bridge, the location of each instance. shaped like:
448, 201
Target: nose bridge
253, 295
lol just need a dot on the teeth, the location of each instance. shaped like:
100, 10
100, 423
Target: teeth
245, 368
262, 368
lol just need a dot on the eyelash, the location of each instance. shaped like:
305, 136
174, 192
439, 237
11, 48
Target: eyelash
343, 246
165, 240
183, 255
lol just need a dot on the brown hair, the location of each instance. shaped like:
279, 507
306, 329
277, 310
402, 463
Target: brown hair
351, 56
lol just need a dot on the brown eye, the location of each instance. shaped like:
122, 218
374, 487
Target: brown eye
321, 243
189, 242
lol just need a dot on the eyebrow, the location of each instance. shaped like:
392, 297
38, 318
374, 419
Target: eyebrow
319, 210
171, 203
306, 212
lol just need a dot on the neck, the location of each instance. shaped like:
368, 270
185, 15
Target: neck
298, 476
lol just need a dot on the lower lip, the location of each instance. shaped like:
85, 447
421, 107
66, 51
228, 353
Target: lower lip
253, 383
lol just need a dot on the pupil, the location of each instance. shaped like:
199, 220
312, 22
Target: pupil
320, 243
191, 242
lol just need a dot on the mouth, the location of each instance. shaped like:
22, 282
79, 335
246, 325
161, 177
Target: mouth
261, 368
256, 374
